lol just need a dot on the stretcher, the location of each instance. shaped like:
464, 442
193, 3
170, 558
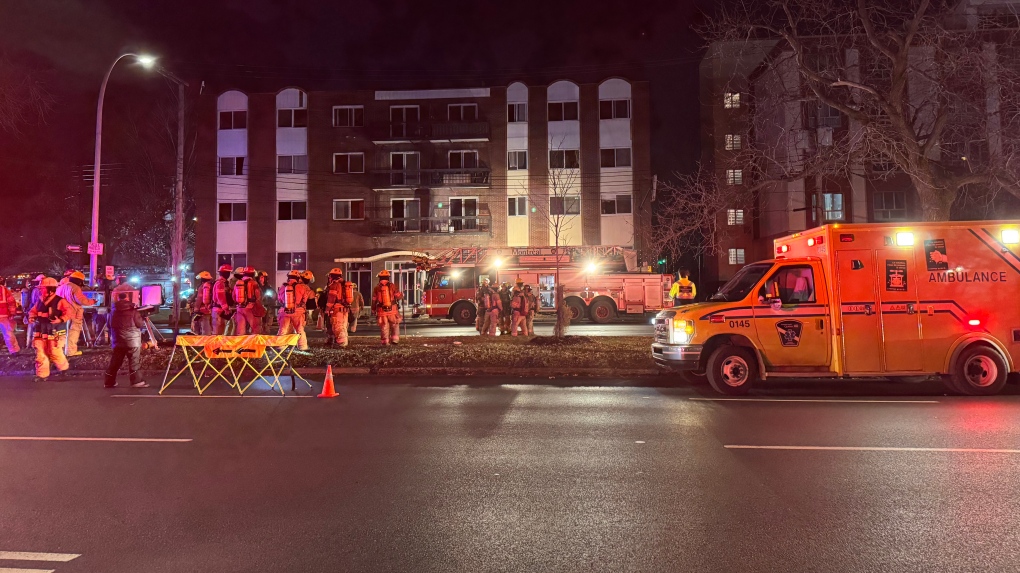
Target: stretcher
228, 358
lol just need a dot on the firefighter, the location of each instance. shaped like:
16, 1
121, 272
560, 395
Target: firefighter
385, 301
235, 278
71, 292
246, 296
356, 305
683, 290
8, 308
293, 296
504, 308
495, 310
532, 308
50, 316
31, 301
519, 310
482, 302
267, 302
221, 301
339, 296
202, 305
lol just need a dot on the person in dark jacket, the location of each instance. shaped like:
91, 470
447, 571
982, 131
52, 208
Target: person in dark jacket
126, 325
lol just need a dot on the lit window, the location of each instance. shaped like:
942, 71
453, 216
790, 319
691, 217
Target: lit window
348, 163
292, 164
233, 120
832, 206
614, 109
731, 100
232, 212
736, 256
618, 205
563, 111
734, 216
348, 209
617, 157
569, 205
349, 116
517, 160
516, 112
564, 159
734, 177
292, 118
517, 206
462, 111
290, 261
292, 211
233, 166
733, 142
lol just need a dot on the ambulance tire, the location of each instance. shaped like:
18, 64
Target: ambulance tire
693, 378
978, 371
732, 370
463, 314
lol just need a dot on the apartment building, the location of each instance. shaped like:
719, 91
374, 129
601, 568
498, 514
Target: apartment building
364, 180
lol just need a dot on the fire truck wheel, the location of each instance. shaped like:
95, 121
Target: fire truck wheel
463, 314
601, 310
732, 370
978, 371
575, 309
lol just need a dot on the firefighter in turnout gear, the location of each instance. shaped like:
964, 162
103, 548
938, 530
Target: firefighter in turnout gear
71, 292
494, 312
8, 308
482, 303
339, 296
292, 297
33, 299
247, 297
519, 310
356, 305
221, 301
683, 290
532, 308
50, 316
385, 301
202, 305
504, 308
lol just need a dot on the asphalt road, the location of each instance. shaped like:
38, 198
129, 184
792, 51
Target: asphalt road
509, 477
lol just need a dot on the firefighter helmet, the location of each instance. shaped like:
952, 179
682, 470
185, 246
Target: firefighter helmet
294, 275
204, 275
520, 281
308, 276
39, 279
335, 272
226, 268
248, 271
68, 272
48, 282
77, 275
384, 274
485, 282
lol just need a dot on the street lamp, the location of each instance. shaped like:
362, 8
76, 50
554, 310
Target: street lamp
146, 62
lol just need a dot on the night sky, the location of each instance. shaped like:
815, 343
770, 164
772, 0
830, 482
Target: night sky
320, 44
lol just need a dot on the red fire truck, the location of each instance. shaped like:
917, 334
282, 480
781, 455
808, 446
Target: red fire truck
599, 282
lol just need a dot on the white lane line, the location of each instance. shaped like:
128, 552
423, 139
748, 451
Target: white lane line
10, 570
874, 449
30, 556
85, 439
158, 396
837, 401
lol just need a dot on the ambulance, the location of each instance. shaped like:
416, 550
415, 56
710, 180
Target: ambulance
909, 301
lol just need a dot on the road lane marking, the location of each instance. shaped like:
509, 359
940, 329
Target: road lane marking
84, 439
30, 556
158, 396
9, 570
837, 401
874, 449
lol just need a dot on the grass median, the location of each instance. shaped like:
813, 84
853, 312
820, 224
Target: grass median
625, 353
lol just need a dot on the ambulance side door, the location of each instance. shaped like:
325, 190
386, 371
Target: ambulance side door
901, 321
795, 330
859, 329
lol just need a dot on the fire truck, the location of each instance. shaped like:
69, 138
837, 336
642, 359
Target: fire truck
879, 300
599, 282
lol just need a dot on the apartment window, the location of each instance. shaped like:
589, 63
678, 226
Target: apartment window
463, 159
619, 205
348, 163
234, 119
462, 112
736, 256
890, 205
731, 100
292, 164
292, 211
348, 209
832, 206
564, 159
292, 118
233, 259
734, 177
516, 112
405, 166
516, 160
290, 261
734, 216
618, 157
569, 205
349, 116
733, 142
517, 206
828, 116
233, 212
614, 109
563, 111
233, 166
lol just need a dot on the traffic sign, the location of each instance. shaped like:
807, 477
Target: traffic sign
95, 248
74, 248
109, 272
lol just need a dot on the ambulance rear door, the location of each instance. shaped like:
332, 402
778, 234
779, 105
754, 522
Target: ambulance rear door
901, 322
859, 328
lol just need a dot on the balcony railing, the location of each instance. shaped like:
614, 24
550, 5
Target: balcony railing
430, 131
437, 225
466, 177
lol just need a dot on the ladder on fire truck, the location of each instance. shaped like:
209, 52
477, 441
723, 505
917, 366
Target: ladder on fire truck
475, 255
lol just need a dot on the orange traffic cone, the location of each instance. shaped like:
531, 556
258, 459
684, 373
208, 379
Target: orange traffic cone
328, 391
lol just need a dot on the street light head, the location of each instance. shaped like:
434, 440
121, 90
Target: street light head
147, 61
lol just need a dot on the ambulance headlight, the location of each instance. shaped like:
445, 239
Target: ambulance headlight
682, 331
1010, 236
904, 239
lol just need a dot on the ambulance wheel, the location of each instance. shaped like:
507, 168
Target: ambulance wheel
601, 311
463, 314
693, 378
979, 371
732, 370
575, 310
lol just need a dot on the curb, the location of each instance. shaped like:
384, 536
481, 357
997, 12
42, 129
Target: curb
431, 371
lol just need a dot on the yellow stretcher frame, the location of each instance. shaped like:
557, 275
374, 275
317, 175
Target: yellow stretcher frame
238, 354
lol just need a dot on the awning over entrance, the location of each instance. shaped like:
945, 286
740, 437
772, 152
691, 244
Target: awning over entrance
373, 255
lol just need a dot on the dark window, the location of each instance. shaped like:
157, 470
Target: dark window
349, 116
570, 110
619, 205
517, 206
233, 119
290, 261
233, 212
233, 259
292, 164
348, 163
614, 109
569, 205
555, 112
232, 166
619, 157
606, 109
517, 160
516, 112
344, 209
564, 159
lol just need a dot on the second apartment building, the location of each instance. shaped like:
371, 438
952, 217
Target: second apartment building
365, 179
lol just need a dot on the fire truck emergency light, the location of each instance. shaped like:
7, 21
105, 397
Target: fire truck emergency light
1010, 236
904, 239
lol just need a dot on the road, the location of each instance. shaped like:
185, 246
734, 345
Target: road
501, 476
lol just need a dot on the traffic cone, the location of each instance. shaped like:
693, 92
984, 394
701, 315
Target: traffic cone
328, 391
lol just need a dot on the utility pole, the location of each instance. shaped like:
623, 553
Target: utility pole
178, 247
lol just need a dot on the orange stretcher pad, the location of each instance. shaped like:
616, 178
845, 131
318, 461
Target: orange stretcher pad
228, 358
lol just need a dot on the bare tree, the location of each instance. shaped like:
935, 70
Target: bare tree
23, 98
929, 89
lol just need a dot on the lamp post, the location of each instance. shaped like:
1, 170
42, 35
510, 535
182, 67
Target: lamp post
147, 62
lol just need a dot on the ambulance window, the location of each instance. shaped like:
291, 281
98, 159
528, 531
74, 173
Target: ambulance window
796, 284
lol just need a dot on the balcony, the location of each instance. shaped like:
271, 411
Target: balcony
435, 225
430, 178
439, 132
